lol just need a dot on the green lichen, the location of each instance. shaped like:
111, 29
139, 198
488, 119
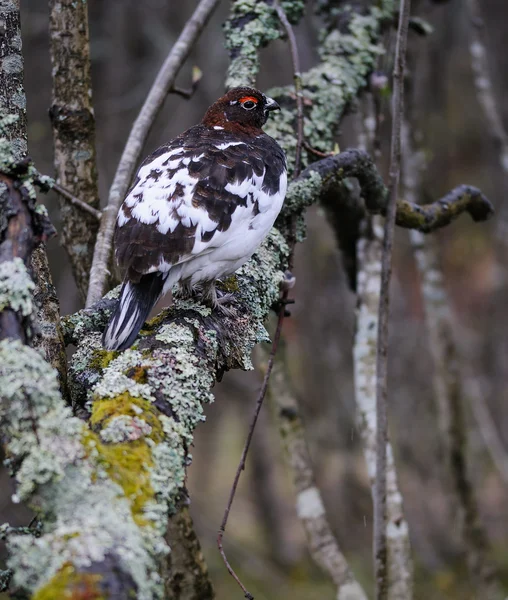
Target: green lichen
230, 285
104, 410
67, 583
88, 514
347, 58
252, 25
115, 381
128, 464
101, 358
16, 287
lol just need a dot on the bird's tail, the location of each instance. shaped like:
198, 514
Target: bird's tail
135, 303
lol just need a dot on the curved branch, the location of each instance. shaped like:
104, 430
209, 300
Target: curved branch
137, 137
330, 173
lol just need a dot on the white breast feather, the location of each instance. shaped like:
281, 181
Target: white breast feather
227, 250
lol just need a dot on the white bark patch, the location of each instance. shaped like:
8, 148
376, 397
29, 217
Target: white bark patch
350, 591
309, 504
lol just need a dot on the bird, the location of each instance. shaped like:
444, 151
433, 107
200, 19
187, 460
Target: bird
198, 209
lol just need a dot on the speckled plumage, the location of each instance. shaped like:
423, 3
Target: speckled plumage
199, 208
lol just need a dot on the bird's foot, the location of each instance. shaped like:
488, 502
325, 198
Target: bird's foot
220, 299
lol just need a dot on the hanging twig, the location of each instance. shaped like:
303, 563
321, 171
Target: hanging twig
283, 302
137, 137
187, 93
380, 547
241, 466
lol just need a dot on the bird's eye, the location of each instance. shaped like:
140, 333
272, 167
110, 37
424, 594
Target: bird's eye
249, 104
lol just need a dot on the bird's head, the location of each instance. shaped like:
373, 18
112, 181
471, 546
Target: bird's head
242, 107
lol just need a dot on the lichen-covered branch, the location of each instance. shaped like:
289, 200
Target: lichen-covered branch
13, 150
21, 228
137, 137
188, 574
326, 177
12, 93
348, 54
323, 545
253, 24
73, 123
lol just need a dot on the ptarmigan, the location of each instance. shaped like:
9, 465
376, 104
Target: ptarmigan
198, 209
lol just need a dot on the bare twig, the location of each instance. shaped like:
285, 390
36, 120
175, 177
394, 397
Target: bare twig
380, 546
189, 92
323, 544
46, 184
297, 77
241, 466
73, 122
137, 137
76, 201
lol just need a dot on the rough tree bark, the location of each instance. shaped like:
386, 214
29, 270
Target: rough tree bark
12, 96
73, 123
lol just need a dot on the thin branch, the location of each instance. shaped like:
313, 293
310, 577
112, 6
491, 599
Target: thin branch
187, 93
162, 85
297, 77
450, 390
450, 394
380, 544
323, 545
476, 393
241, 466
76, 201
45, 184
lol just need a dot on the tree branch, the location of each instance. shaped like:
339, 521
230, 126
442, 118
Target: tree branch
73, 123
13, 163
253, 24
323, 545
329, 174
381, 558
162, 85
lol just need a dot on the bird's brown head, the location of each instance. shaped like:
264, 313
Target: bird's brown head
241, 108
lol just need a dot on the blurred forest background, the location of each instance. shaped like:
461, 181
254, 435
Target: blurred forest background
129, 41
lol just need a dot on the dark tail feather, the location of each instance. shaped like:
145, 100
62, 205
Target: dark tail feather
135, 303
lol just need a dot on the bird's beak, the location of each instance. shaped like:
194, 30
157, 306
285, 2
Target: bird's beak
270, 104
